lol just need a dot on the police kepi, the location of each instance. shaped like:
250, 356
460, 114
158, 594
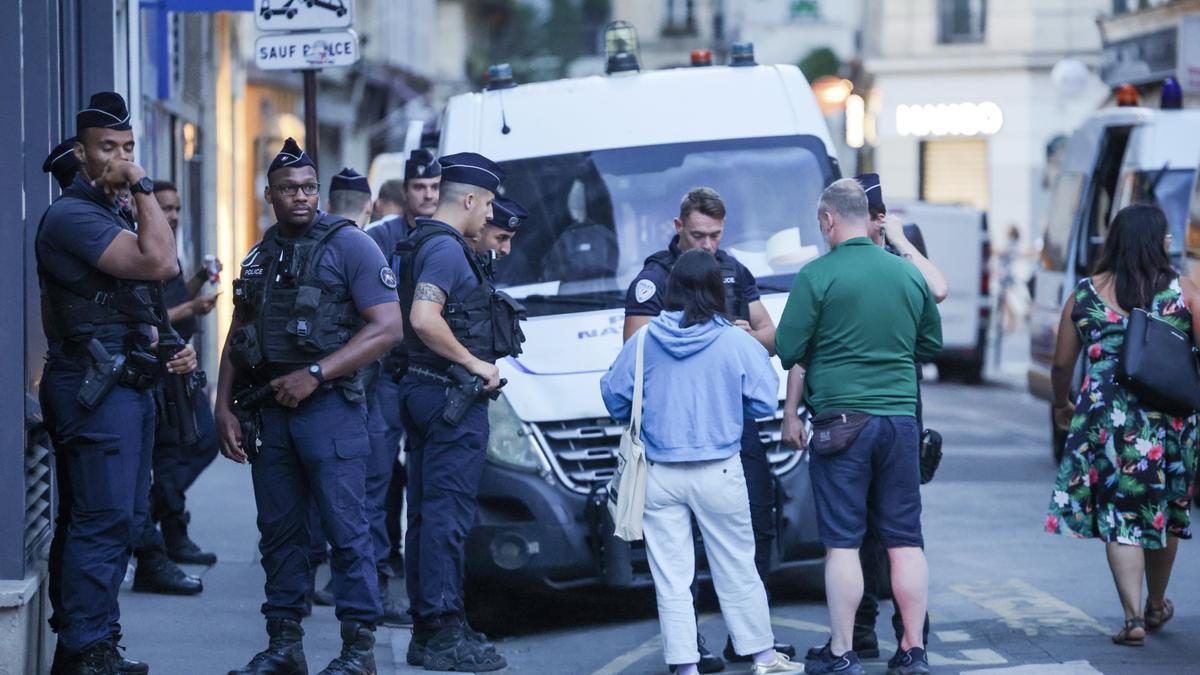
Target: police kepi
456, 327
315, 302
496, 239
95, 389
62, 163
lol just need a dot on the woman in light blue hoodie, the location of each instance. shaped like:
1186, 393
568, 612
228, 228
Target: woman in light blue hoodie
702, 376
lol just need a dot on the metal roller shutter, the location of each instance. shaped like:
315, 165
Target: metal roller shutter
955, 172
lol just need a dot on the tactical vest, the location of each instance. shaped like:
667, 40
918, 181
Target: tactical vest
97, 306
485, 321
735, 293
289, 317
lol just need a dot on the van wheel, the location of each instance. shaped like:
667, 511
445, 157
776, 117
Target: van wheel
1058, 440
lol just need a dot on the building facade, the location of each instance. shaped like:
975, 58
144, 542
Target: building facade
973, 94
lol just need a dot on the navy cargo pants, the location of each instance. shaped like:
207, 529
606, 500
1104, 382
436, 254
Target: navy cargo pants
317, 452
445, 465
760, 484
385, 430
102, 458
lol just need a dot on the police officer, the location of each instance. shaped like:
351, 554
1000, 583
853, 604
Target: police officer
418, 198
176, 468
94, 271
62, 163
700, 224
350, 196
499, 231
454, 319
315, 303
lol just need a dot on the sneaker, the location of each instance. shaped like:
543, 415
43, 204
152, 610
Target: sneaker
451, 649
909, 662
847, 663
708, 663
732, 656
781, 664
822, 653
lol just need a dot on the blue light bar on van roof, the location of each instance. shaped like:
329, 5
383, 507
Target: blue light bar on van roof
500, 76
1172, 95
742, 54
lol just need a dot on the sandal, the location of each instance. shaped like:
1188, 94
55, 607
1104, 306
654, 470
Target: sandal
1155, 618
1133, 634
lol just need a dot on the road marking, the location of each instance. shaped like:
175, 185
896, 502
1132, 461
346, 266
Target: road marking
623, 661
1024, 607
970, 657
953, 635
1068, 668
799, 624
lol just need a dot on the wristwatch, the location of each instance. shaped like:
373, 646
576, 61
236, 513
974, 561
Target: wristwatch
144, 186
315, 371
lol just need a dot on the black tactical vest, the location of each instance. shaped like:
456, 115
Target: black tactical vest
735, 293
289, 317
485, 321
97, 306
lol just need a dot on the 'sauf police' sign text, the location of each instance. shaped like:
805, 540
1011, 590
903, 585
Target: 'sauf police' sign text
306, 51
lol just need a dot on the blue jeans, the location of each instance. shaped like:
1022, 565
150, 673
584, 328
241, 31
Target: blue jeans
102, 458
876, 480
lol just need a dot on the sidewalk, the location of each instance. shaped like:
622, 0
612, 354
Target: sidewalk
222, 627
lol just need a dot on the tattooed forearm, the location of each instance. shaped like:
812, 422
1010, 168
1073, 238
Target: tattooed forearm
430, 293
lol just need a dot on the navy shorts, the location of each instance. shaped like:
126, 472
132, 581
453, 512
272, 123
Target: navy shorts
875, 482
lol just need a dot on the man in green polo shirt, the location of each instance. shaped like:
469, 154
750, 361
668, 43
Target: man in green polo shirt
859, 319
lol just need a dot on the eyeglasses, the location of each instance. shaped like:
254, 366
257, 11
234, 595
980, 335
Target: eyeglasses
290, 189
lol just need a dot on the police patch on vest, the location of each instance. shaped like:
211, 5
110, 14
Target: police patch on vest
644, 290
388, 277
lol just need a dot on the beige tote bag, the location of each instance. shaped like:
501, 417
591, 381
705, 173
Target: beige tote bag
627, 490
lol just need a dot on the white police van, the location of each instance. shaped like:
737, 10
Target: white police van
1120, 156
601, 164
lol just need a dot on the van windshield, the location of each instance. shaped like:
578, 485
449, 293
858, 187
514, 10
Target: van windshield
594, 217
1171, 190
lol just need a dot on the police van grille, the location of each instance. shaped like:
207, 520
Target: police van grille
584, 451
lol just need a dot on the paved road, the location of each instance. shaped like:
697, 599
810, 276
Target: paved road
1005, 597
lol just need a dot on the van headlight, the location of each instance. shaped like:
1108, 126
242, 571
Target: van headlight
510, 443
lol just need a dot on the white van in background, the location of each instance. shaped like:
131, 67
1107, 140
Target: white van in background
956, 241
1120, 156
601, 164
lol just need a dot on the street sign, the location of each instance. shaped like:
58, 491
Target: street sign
306, 51
273, 15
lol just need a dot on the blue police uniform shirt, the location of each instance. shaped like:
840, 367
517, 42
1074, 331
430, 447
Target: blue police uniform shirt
76, 232
352, 260
443, 263
175, 293
387, 232
645, 294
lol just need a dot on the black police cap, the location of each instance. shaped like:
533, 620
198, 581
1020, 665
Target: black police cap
507, 214
471, 168
870, 185
349, 179
106, 110
62, 162
290, 156
421, 164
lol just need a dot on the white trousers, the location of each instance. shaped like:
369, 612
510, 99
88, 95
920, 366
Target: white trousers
715, 493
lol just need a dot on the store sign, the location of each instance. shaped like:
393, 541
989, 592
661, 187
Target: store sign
274, 15
306, 51
949, 119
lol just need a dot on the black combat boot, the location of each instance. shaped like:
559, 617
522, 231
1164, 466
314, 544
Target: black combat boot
180, 546
157, 574
358, 651
452, 648
127, 666
395, 613
284, 654
99, 659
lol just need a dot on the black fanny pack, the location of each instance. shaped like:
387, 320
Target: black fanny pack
836, 430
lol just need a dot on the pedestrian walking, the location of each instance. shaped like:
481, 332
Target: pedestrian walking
96, 273
859, 320
703, 376
1127, 468
456, 327
315, 303
700, 226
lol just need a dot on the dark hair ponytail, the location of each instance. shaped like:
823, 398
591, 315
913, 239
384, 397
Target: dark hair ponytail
696, 287
1135, 255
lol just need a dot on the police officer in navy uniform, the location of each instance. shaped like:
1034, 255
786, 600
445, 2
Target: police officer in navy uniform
498, 233
97, 311
700, 224
315, 302
422, 178
453, 317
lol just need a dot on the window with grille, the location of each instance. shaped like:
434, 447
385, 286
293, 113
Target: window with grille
961, 21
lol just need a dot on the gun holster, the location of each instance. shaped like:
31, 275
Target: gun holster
141, 371
103, 373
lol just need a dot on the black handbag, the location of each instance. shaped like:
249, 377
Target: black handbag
1158, 365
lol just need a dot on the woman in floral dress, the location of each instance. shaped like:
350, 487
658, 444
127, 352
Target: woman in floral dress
1127, 469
